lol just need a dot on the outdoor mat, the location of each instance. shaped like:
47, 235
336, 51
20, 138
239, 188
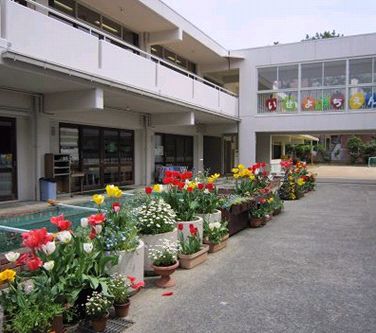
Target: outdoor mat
115, 325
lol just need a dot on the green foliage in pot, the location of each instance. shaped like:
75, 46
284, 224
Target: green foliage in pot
191, 244
215, 231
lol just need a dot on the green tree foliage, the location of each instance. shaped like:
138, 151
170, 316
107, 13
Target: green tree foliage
323, 35
355, 147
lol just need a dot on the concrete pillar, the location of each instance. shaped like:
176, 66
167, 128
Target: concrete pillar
247, 142
198, 146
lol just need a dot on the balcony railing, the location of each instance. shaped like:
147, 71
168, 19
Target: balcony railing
45, 35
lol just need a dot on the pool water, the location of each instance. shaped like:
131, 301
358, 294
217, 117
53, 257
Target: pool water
11, 241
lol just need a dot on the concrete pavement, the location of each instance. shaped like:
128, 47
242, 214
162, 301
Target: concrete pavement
312, 269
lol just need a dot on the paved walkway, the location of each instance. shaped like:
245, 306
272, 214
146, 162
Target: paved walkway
345, 173
313, 269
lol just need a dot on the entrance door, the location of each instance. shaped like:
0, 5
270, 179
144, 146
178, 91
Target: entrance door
8, 159
213, 154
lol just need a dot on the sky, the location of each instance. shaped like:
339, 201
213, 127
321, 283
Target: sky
239, 24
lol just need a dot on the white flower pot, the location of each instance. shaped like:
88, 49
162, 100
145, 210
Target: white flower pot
131, 263
214, 217
198, 223
153, 240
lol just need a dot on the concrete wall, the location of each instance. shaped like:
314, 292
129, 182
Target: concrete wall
336, 48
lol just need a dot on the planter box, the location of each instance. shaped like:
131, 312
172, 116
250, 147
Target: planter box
153, 240
236, 222
277, 211
198, 223
214, 217
193, 260
255, 222
131, 263
217, 247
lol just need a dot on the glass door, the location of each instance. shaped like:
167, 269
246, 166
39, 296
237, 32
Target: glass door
8, 159
90, 157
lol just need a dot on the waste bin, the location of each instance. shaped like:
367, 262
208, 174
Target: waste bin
47, 189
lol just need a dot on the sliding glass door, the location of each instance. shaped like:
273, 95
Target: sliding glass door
8, 159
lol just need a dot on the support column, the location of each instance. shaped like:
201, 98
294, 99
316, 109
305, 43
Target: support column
247, 143
198, 152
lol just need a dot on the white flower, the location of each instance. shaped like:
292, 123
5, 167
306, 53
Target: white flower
49, 265
84, 222
12, 256
28, 286
88, 247
214, 225
64, 236
206, 191
98, 229
49, 248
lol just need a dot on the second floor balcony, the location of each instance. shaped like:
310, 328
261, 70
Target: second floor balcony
41, 34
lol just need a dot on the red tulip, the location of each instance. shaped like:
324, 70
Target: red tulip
138, 285
34, 263
61, 223
116, 206
210, 186
148, 190
96, 219
34, 239
167, 293
189, 188
200, 186
180, 226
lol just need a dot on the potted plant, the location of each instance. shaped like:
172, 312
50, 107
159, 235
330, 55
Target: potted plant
208, 199
156, 221
277, 205
180, 195
119, 287
216, 235
97, 307
192, 252
120, 234
165, 261
257, 214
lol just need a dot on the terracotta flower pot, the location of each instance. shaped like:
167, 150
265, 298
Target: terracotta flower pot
217, 247
255, 222
277, 211
189, 261
99, 324
264, 220
122, 310
57, 324
165, 281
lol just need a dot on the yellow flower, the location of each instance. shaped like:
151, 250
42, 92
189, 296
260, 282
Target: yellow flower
236, 176
7, 276
98, 199
235, 170
157, 188
113, 191
213, 178
241, 166
244, 173
252, 176
192, 184
270, 200
301, 182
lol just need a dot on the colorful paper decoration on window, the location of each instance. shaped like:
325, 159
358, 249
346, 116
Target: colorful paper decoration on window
337, 101
271, 103
371, 100
308, 103
356, 101
289, 103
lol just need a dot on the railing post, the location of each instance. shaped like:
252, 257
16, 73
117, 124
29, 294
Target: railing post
193, 87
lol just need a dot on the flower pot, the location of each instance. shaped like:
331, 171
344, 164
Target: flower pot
189, 261
198, 222
151, 241
277, 211
213, 217
268, 218
299, 194
165, 281
130, 263
121, 310
264, 220
99, 324
217, 247
57, 324
255, 222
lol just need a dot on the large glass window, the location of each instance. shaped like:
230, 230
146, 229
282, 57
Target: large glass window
312, 75
267, 78
360, 71
66, 6
335, 73
111, 27
288, 77
88, 15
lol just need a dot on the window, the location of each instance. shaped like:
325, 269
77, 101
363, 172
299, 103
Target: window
157, 51
360, 71
89, 16
335, 73
66, 6
312, 75
288, 77
267, 78
111, 27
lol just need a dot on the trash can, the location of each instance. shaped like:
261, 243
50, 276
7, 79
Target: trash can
47, 189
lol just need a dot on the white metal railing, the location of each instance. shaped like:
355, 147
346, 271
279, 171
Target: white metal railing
102, 34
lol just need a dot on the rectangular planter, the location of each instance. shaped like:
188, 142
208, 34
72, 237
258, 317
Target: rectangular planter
192, 260
236, 222
217, 247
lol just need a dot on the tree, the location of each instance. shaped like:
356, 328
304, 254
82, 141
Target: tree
355, 147
323, 35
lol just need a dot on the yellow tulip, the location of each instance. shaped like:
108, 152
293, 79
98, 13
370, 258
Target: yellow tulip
252, 176
157, 188
301, 182
113, 191
7, 276
213, 178
241, 166
236, 176
235, 170
98, 199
